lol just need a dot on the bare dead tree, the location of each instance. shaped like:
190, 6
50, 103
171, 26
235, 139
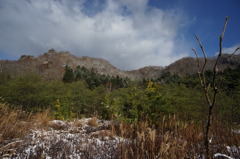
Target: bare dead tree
213, 85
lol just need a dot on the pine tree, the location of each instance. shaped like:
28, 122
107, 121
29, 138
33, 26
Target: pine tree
68, 76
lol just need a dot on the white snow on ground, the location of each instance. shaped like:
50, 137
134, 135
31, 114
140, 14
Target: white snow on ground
231, 150
236, 131
222, 155
71, 140
77, 139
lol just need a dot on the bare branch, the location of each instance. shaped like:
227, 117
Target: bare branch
198, 61
205, 61
202, 78
219, 55
209, 85
230, 58
222, 35
235, 52
206, 86
201, 46
199, 72
195, 54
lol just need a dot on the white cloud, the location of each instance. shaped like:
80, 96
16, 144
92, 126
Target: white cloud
229, 50
129, 34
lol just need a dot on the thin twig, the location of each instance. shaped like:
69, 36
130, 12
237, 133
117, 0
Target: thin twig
219, 55
234, 52
203, 67
199, 71
197, 57
204, 53
222, 35
202, 71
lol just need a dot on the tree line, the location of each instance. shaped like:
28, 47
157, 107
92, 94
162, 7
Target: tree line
82, 92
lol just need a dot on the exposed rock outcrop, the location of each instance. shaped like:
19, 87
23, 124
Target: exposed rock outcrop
51, 66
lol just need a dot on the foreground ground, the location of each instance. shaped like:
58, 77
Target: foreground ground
24, 135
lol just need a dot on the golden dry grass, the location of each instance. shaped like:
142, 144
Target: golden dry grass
172, 138
41, 119
93, 121
15, 123
78, 123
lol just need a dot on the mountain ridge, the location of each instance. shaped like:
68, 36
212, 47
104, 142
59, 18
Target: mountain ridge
51, 65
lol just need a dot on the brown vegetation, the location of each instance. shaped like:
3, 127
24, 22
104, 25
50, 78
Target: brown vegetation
171, 139
93, 121
15, 123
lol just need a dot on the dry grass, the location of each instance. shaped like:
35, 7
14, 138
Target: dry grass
78, 123
172, 138
147, 142
93, 122
13, 123
103, 134
42, 119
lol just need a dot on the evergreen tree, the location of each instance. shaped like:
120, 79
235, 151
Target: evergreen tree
68, 75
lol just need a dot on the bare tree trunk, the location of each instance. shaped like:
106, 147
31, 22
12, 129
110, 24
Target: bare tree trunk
206, 86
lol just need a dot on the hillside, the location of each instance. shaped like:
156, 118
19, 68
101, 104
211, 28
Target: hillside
51, 66
188, 65
146, 72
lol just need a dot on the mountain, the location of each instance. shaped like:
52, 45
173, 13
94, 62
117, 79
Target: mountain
147, 72
51, 66
189, 65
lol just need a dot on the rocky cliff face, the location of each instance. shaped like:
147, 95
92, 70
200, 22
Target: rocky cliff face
51, 66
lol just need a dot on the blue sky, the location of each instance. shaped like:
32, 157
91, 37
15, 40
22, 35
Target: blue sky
128, 33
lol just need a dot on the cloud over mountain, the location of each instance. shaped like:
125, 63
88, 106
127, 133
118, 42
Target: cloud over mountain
129, 34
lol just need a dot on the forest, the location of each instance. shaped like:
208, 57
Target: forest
85, 93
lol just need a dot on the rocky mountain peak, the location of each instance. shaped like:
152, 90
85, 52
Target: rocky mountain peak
51, 65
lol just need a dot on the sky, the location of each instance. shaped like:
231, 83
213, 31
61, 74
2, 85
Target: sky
130, 34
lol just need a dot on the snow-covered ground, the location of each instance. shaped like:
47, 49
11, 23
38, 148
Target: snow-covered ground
77, 139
